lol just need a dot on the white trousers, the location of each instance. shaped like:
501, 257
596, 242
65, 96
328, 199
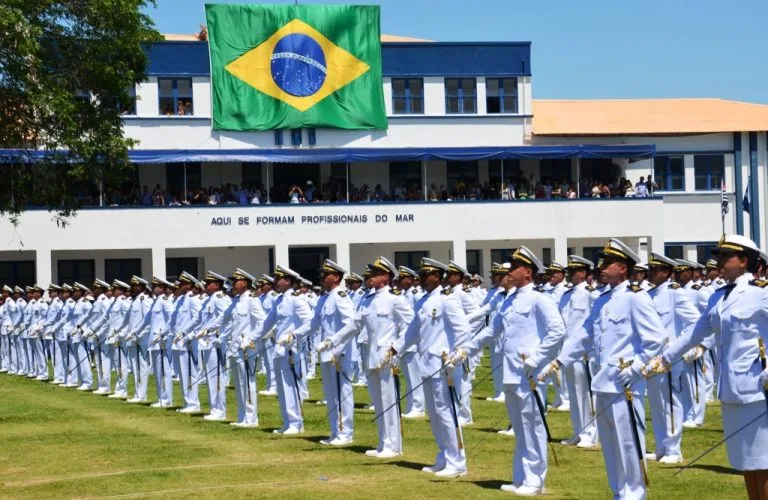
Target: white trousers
38, 363
5, 360
163, 370
444, 430
79, 365
215, 374
122, 365
267, 359
139, 359
104, 354
622, 462
186, 366
243, 366
497, 358
19, 355
561, 390
343, 403
694, 396
665, 417
414, 399
529, 466
288, 392
582, 414
60, 359
381, 385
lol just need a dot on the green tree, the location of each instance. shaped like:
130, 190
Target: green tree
66, 70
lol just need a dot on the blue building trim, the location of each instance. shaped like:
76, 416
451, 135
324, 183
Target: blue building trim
362, 155
472, 59
754, 192
739, 187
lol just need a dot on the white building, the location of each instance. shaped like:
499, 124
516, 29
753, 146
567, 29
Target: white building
459, 113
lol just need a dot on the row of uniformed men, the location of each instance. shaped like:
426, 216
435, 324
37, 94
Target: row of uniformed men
620, 332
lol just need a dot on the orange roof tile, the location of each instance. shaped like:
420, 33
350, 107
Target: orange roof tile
182, 37
646, 117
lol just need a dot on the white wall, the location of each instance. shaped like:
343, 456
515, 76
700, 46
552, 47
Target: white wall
187, 132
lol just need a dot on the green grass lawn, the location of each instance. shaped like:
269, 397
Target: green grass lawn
57, 442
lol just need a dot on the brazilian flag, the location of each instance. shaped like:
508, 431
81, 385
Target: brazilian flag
292, 66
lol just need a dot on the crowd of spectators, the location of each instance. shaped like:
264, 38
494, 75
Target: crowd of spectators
335, 192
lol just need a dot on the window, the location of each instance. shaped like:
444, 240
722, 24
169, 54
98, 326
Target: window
407, 96
296, 137
410, 259
404, 176
175, 265
592, 253
555, 170
473, 261
669, 173
546, 256
673, 251
704, 252
709, 170
501, 95
461, 173
502, 255
128, 107
121, 269
81, 270
251, 174
460, 96
181, 175
17, 273
175, 96
508, 169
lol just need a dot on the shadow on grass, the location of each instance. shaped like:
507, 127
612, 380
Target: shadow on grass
719, 469
487, 429
488, 484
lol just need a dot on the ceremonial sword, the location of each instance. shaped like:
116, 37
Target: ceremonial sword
295, 380
542, 412
633, 423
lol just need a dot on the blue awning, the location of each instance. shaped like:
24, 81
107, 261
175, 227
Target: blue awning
367, 155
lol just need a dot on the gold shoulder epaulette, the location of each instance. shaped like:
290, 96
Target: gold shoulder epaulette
636, 288
342, 293
395, 291
296, 293
674, 286
590, 288
447, 291
696, 287
760, 283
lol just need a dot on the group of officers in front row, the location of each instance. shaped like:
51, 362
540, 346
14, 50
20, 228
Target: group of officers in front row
606, 341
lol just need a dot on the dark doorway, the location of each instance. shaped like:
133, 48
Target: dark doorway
308, 261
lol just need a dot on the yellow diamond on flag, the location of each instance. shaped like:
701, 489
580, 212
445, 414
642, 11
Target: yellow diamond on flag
297, 65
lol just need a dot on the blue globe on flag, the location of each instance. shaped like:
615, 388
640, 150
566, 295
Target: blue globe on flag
298, 65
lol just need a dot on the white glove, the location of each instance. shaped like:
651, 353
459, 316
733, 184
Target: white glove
325, 345
655, 366
694, 353
287, 340
246, 344
549, 370
457, 357
388, 359
529, 367
764, 380
628, 375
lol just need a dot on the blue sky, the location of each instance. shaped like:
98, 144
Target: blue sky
590, 48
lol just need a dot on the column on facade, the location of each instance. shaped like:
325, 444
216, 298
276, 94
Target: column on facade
460, 252
43, 267
281, 254
343, 256
485, 261
158, 262
560, 253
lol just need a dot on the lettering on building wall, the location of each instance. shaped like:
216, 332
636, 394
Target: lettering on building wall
313, 220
